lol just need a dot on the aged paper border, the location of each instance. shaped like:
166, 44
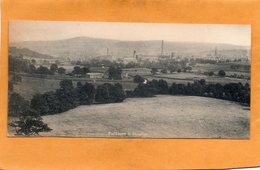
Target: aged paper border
104, 153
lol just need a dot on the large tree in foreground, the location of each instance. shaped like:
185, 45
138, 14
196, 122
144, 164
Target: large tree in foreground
29, 120
29, 123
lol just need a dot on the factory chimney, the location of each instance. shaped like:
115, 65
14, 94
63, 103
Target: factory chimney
162, 48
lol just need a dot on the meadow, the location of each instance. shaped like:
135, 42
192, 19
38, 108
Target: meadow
32, 85
156, 117
190, 77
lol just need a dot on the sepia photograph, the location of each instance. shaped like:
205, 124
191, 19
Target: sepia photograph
128, 80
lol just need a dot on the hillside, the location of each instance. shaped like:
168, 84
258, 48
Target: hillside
27, 52
84, 46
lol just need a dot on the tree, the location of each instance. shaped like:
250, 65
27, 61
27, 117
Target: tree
31, 69
154, 71
177, 89
86, 93
172, 69
53, 68
67, 96
53, 102
189, 68
164, 71
202, 82
17, 105
211, 73
18, 64
179, 70
221, 73
40, 104
79, 84
153, 85
45, 62
10, 86
77, 71
108, 93
17, 78
138, 79
66, 85
78, 62
115, 73
144, 90
119, 93
29, 123
163, 87
33, 61
61, 70
42, 70
85, 70
57, 62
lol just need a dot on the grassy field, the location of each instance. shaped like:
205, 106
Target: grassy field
190, 77
157, 117
32, 85
216, 67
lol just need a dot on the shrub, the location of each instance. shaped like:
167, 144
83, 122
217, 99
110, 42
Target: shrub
211, 73
221, 73
30, 123
138, 79
115, 73
61, 70
154, 71
164, 71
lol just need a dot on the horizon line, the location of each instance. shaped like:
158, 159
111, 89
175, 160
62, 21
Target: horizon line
128, 41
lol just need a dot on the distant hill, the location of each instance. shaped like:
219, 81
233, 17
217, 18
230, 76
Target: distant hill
14, 51
79, 47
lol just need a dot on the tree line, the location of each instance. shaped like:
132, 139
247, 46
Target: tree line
232, 91
67, 97
27, 66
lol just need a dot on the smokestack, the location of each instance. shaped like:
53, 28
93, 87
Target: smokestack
107, 51
162, 48
172, 55
134, 53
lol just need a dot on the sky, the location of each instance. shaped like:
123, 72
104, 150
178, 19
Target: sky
58, 30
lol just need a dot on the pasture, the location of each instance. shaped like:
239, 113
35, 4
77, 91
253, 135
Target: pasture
244, 68
32, 85
190, 77
156, 117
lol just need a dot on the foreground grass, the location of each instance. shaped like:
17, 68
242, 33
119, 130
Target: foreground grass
157, 117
